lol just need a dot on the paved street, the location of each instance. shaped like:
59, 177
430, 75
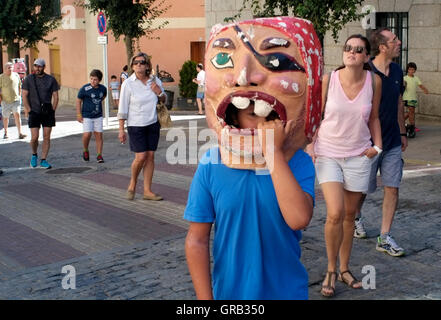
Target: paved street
76, 215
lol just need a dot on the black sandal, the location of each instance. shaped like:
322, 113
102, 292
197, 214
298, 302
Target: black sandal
352, 283
328, 285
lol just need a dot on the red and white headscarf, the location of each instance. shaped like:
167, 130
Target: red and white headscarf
303, 34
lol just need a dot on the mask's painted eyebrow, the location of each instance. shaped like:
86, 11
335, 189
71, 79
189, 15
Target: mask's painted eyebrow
224, 43
270, 43
275, 61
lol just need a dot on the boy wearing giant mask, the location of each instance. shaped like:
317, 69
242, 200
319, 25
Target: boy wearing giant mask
263, 100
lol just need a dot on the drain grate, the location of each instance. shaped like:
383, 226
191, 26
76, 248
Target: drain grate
68, 170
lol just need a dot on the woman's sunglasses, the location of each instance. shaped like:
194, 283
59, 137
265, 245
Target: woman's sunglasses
139, 62
356, 49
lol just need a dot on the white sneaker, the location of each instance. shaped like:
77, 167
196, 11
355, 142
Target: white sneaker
359, 231
389, 246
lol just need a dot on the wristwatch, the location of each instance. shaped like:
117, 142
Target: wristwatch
377, 148
160, 95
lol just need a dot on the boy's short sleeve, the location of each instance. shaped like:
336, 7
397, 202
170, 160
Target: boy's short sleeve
418, 81
81, 93
200, 206
304, 172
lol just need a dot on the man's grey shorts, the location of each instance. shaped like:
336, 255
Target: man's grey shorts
390, 164
10, 108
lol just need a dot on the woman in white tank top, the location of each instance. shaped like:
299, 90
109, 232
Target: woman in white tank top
342, 151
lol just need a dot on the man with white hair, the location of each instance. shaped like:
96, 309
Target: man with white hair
10, 99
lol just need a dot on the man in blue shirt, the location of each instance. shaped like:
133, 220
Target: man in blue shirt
385, 47
90, 113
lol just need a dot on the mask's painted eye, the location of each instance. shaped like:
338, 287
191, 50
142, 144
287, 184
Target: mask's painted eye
222, 60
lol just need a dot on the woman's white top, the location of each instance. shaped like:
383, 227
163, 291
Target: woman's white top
201, 78
137, 102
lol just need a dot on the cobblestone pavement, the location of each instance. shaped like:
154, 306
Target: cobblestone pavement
75, 215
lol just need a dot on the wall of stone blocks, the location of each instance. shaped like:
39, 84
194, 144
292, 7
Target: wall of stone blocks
424, 41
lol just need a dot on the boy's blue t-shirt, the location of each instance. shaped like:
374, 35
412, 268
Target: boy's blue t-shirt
92, 100
256, 254
391, 89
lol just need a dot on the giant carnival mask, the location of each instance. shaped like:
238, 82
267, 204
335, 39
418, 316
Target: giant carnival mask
273, 63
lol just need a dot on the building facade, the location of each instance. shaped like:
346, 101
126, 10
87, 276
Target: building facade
75, 51
416, 22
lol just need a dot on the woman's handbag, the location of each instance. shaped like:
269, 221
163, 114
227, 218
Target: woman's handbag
163, 115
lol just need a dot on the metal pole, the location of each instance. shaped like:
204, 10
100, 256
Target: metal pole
106, 102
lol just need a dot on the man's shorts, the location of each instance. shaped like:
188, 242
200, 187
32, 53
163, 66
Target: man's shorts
36, 120
411, 103
352, 172
93, 124
391, 165
10, 108
115, 95
144, 138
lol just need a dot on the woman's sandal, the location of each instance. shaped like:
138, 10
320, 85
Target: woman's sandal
130, 194
350, 283
328, 285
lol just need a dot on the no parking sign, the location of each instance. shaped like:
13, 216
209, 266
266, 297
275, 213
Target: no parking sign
101, 23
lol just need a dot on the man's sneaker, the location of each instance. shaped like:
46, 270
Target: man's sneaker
86, 155
45, 164
22, 136
389, 246
359, 231
34, 159
99, 159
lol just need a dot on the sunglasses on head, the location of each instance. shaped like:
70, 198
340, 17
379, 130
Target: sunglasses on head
139, 62
356, 49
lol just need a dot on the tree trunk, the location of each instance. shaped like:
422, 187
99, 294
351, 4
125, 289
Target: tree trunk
13, 50
129, 50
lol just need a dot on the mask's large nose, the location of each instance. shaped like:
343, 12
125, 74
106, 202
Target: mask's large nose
246, 72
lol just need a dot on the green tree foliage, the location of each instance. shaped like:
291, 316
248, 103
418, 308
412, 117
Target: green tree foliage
326, 15
27, 21
187, 88
132, 19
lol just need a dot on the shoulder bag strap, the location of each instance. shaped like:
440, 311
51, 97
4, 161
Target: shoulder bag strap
36, 89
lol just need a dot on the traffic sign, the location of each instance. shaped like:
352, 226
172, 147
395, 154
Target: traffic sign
102, 39
101, 23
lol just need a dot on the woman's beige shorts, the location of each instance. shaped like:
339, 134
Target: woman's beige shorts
353, 172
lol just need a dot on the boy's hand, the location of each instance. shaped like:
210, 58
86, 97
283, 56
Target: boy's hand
310, 150
273, 134
79, 118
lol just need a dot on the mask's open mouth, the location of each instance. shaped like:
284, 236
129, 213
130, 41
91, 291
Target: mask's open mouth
265, 105
243, 141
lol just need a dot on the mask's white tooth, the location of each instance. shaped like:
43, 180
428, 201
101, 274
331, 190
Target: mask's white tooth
262, 108
240, 102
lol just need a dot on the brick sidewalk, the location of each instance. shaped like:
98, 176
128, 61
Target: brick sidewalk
135, 249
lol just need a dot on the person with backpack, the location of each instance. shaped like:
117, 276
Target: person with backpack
342, 151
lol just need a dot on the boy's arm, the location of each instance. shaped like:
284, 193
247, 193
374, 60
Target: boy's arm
424, 89
295, 204
197, 249
78, 106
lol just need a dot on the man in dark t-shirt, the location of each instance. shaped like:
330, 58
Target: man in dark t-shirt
40, 99
385, 47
